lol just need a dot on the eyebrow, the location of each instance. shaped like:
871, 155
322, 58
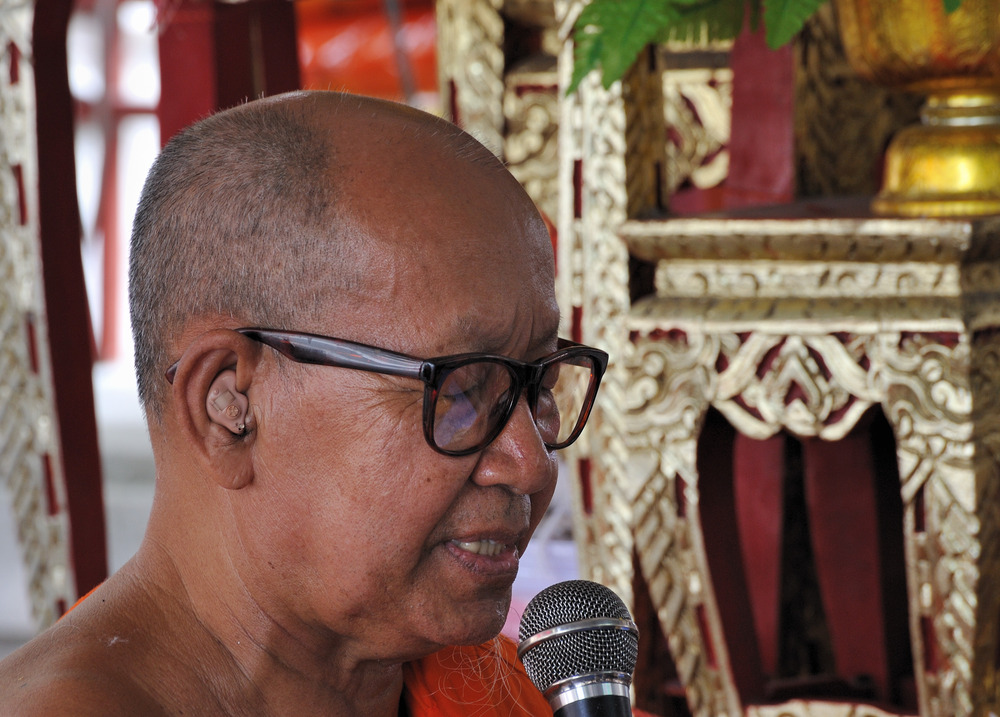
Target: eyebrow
477, 339
549, 337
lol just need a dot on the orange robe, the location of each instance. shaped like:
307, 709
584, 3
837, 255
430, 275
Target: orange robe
480, 681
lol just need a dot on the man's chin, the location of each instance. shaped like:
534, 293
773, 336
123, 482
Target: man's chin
479, 624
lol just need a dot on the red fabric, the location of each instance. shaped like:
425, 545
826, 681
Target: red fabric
758, 478
479, 681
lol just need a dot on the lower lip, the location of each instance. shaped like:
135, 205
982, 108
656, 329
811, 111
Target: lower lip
503, 564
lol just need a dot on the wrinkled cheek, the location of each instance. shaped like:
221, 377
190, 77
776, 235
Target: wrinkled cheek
540, 500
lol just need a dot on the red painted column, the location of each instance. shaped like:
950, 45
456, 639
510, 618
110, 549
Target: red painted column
187, 66
66, 296
762, 141
214, 55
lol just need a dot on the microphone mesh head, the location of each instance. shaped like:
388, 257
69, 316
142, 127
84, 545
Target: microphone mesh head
581, 652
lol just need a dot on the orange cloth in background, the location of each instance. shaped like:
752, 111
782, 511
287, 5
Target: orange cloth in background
480, 681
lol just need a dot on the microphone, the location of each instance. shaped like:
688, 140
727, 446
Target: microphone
579, 646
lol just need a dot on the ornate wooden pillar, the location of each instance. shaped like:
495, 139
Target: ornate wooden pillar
619, 152
471, 67
497, 76
48, 434
214, 55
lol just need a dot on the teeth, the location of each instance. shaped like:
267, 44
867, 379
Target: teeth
481, 547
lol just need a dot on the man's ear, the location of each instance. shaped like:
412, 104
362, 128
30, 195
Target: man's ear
211, 404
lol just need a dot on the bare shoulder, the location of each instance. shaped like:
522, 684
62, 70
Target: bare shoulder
66, 672
135, 646
105, 657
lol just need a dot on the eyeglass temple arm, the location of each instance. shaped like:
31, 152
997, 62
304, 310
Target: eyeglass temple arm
337, 352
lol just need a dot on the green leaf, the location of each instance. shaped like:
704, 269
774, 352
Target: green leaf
784, 18
704, 21
586, 55
951, 6
611, 33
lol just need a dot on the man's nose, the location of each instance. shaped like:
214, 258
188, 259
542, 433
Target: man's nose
518, 457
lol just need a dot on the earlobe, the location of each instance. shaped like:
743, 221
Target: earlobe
226, 405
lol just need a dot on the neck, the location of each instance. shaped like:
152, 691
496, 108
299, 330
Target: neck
254, 661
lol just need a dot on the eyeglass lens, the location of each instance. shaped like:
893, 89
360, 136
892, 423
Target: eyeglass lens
476, 398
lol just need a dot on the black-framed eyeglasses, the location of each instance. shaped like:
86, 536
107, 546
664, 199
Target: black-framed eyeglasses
468, 398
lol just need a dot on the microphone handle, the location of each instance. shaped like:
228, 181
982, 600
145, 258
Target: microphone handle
597, 706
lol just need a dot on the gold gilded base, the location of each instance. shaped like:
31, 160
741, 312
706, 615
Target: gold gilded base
947, 166
942, 171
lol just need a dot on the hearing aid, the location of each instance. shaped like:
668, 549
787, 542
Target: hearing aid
227, 406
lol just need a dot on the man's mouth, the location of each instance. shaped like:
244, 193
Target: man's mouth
481, 547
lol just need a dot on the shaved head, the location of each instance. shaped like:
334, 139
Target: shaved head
248, 217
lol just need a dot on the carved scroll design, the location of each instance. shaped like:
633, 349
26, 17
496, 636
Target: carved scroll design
697, 111
471, 65
28, 445
847, 321
672, 381
928, 402
531, 142
811, 385
943, 404
592, 147
570, 290
828, 279
819, 385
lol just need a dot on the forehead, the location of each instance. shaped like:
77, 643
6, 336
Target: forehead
456, 254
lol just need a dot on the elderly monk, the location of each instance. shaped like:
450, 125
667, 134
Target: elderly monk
347, 352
